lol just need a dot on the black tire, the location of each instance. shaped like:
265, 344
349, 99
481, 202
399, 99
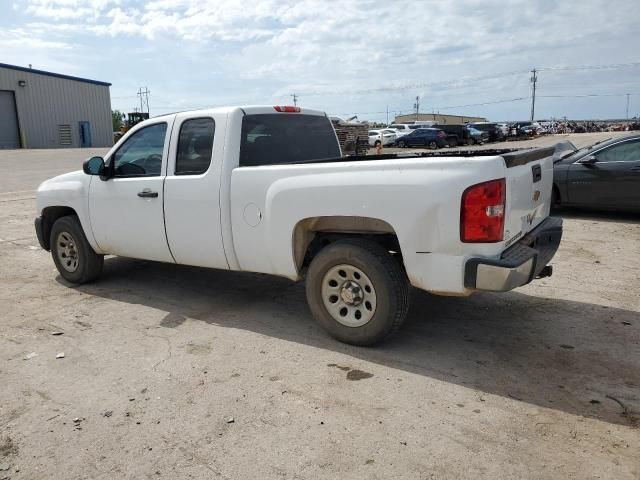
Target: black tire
389, 282
452, 141
554, 198
67, 231
377, 143
433, 145
401, 144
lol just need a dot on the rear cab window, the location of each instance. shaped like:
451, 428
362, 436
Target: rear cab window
269, 139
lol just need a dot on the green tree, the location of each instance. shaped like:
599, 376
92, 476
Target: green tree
116, 118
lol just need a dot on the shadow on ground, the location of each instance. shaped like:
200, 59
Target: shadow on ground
631, 218
575, 357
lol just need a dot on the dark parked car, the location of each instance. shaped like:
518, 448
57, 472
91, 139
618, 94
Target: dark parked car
477, 136
494, 131
605, 175
456, 134
423, 137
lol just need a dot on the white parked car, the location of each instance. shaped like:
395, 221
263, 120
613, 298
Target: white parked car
504, 129
386, 137
403, 128
265, 189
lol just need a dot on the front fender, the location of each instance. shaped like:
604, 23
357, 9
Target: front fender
69, 191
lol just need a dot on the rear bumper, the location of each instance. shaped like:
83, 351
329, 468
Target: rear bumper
519, 264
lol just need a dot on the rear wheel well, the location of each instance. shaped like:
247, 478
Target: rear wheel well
313, 234
49, 217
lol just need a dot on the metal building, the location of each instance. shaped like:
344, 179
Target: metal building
441, 118
41, 109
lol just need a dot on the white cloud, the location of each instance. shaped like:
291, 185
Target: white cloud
23, 39
352, 49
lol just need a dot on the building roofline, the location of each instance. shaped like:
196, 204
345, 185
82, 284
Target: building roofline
52, 74
435, 114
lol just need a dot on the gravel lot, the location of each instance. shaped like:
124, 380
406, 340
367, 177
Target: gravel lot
179, 372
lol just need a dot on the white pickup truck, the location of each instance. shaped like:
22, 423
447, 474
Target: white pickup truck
265, 189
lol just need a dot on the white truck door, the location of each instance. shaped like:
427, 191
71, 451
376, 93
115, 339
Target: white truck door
192, 190
126, 210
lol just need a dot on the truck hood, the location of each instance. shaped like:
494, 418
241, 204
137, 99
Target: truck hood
62, 180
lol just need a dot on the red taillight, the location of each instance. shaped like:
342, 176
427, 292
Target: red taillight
289, 109
482, 212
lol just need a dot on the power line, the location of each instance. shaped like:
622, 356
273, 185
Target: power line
588, 95
394, 88
508, 100
591, 67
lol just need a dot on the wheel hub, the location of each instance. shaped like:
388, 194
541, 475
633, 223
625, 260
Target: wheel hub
351, 293
66, 251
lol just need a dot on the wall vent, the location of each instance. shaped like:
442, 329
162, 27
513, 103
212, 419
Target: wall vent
64, 134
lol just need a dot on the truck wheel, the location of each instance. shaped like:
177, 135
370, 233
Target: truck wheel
357, 291
433, 145
76, 261
453, 142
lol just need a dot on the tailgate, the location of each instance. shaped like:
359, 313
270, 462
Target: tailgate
529, 180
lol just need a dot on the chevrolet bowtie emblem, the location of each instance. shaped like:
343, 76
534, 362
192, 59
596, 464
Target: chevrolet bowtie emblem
536, 195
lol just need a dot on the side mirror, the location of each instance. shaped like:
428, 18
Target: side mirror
94, 166
590, 160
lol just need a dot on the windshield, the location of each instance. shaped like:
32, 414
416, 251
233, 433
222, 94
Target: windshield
581, 150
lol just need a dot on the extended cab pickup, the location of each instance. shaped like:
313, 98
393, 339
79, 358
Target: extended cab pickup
265, 189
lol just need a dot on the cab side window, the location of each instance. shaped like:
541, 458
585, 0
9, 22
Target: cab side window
141, 154
195, 146
623, 152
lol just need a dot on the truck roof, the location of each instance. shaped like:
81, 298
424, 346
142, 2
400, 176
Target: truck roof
253, 110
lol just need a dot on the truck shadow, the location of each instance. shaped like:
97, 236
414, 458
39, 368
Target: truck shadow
575, 357
614, 216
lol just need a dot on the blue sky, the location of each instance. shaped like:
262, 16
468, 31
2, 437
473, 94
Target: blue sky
346, 57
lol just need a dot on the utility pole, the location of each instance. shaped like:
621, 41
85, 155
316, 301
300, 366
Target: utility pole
417, 107
295, 99
627, 115
144, 98
388, 114
534, 79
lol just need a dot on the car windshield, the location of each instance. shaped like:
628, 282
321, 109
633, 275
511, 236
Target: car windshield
583, 149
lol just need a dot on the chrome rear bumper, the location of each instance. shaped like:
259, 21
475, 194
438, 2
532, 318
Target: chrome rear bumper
519, 264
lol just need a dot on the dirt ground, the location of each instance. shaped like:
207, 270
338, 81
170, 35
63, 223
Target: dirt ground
178, 372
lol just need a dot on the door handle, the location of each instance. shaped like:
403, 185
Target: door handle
147, 193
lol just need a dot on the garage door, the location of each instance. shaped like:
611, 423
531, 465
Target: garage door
9, 134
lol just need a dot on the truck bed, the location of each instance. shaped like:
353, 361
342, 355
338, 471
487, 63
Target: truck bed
512, 156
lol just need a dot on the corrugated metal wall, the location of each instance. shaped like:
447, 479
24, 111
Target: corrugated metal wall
441, 118
46, 102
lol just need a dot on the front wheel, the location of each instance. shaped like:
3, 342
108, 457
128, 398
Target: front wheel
357, 291
74, 258
433, 145
402, 144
